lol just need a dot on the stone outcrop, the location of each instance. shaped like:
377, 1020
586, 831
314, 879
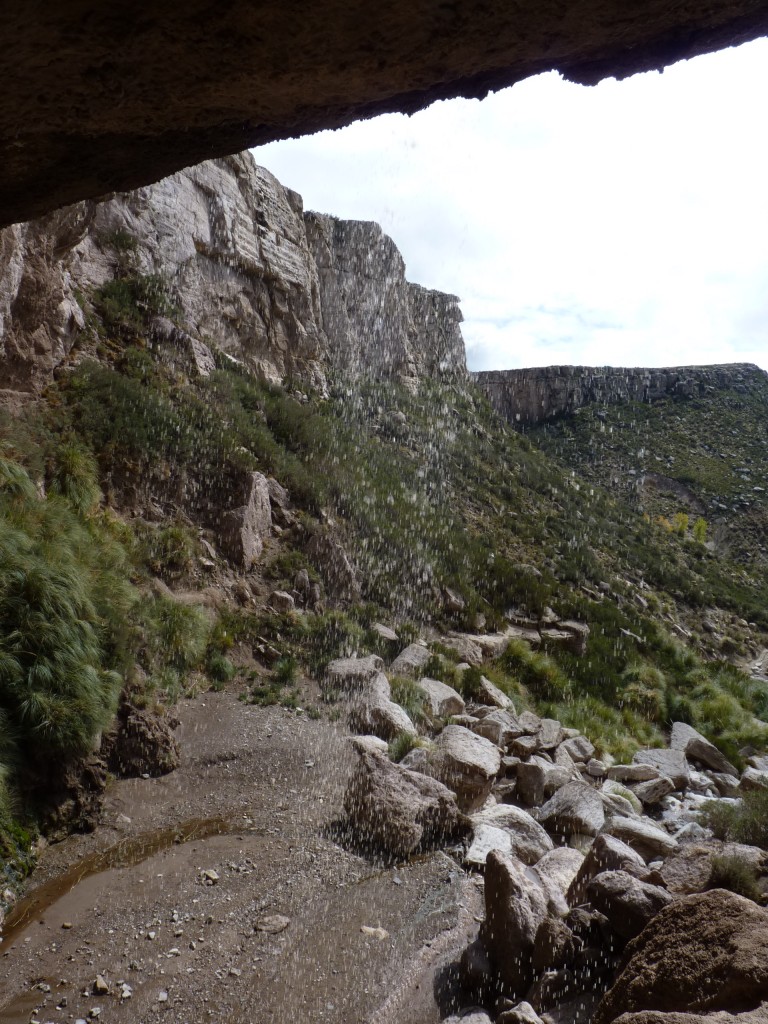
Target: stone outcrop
408, 331
530, 396
287, 294
126, 94
396, 810
706, 952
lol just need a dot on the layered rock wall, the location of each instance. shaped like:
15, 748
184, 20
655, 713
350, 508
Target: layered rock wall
288, 294
530, 396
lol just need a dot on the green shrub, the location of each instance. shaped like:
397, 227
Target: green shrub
403, 744
539, 673
746, 822
219, 668
410, 697
175, 635
73, 473
64, 600
286, 671
736, 875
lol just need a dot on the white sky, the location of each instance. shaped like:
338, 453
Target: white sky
622, 224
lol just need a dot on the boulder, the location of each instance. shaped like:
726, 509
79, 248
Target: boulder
397, 810
618, 789
528, 839
349, 675
514, 911
374, 713
628, 773
140, 743
697, 748
442, 701
242, 530
689, 869
466, 763
486, 838
579, 748
671, 763
530, 783
410, 661
758, 1016
560, 866
530, 723
282, 601
385, 632
550, 734
553, 946
725, 785
488, 693
702, 953
607, 853
654, 790
642, 835
628, 903
576, 807
465, 647
500, 727
753, 779
524, 746
523, 1013
475, 1017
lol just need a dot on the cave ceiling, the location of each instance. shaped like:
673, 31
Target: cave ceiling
101, 97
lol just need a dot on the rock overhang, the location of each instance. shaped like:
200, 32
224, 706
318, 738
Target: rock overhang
99, 98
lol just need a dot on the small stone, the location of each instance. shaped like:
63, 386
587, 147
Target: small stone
100, 986
235, 972
272, 924
375, 933
66, 924
125, 991
162, 996
210, 877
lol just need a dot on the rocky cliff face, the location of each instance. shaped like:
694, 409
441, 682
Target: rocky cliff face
530, 396
290, 295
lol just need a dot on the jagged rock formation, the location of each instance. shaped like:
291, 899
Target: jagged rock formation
530, 396
99, 97
286, 293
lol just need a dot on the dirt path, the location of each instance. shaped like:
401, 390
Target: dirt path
193, 950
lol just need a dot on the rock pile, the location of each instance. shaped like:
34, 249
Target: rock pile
581, 856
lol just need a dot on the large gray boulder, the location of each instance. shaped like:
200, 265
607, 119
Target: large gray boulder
529, 842
671, 763
642, 835
466, 764
607, 853
243, 530
374, 713
349, 675
485, 839
514, 909
397, 810
500, 727
441, 700
560, 867
688, 871
700, 954
410, 661
628, 903
576, 807
697, 748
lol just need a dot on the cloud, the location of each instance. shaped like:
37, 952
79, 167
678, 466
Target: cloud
620, 224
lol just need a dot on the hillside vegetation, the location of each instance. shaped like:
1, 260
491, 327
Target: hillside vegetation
115, 480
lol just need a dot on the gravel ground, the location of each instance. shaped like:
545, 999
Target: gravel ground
287, 926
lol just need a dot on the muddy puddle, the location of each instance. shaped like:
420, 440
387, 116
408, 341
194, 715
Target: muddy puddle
127, 853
